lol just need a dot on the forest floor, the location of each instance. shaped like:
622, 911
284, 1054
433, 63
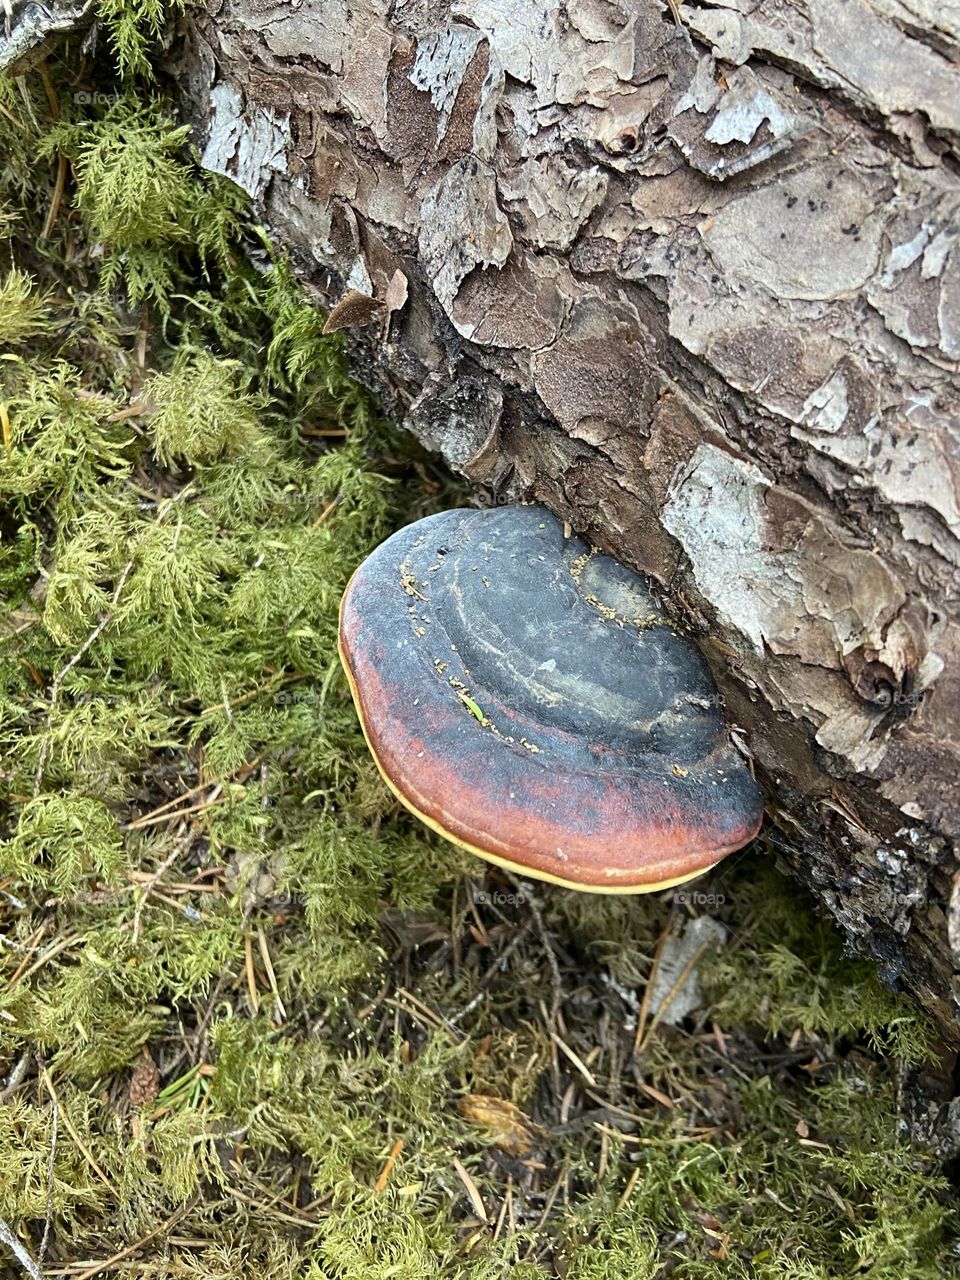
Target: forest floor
255, 1021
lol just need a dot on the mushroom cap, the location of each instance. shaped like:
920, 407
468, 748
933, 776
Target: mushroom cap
527, 697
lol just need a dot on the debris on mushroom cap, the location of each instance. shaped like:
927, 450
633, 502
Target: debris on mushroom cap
528, 698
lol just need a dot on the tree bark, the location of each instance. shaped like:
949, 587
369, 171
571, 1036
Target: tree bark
697, 288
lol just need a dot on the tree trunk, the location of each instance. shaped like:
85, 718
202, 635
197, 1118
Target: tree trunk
697, 288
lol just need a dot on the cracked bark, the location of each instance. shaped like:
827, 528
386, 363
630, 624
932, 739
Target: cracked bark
698, 290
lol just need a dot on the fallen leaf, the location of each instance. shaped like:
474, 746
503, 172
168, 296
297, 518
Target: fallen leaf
503, 1123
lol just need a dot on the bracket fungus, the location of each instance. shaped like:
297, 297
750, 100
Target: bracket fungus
527, 697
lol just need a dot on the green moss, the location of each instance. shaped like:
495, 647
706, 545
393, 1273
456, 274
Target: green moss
796, 975
201, 411
134, 27
60, 841
23, 310
62, 443
849, 1199
142, 204
17, 564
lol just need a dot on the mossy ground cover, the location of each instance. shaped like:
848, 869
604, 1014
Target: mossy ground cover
255, 1020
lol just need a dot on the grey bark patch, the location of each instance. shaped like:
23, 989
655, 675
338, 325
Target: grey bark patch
463, 417
674, 996
462, 227
748, 121
442, 66
742, 113
28, 26
247, 149
790, 236
560, 197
